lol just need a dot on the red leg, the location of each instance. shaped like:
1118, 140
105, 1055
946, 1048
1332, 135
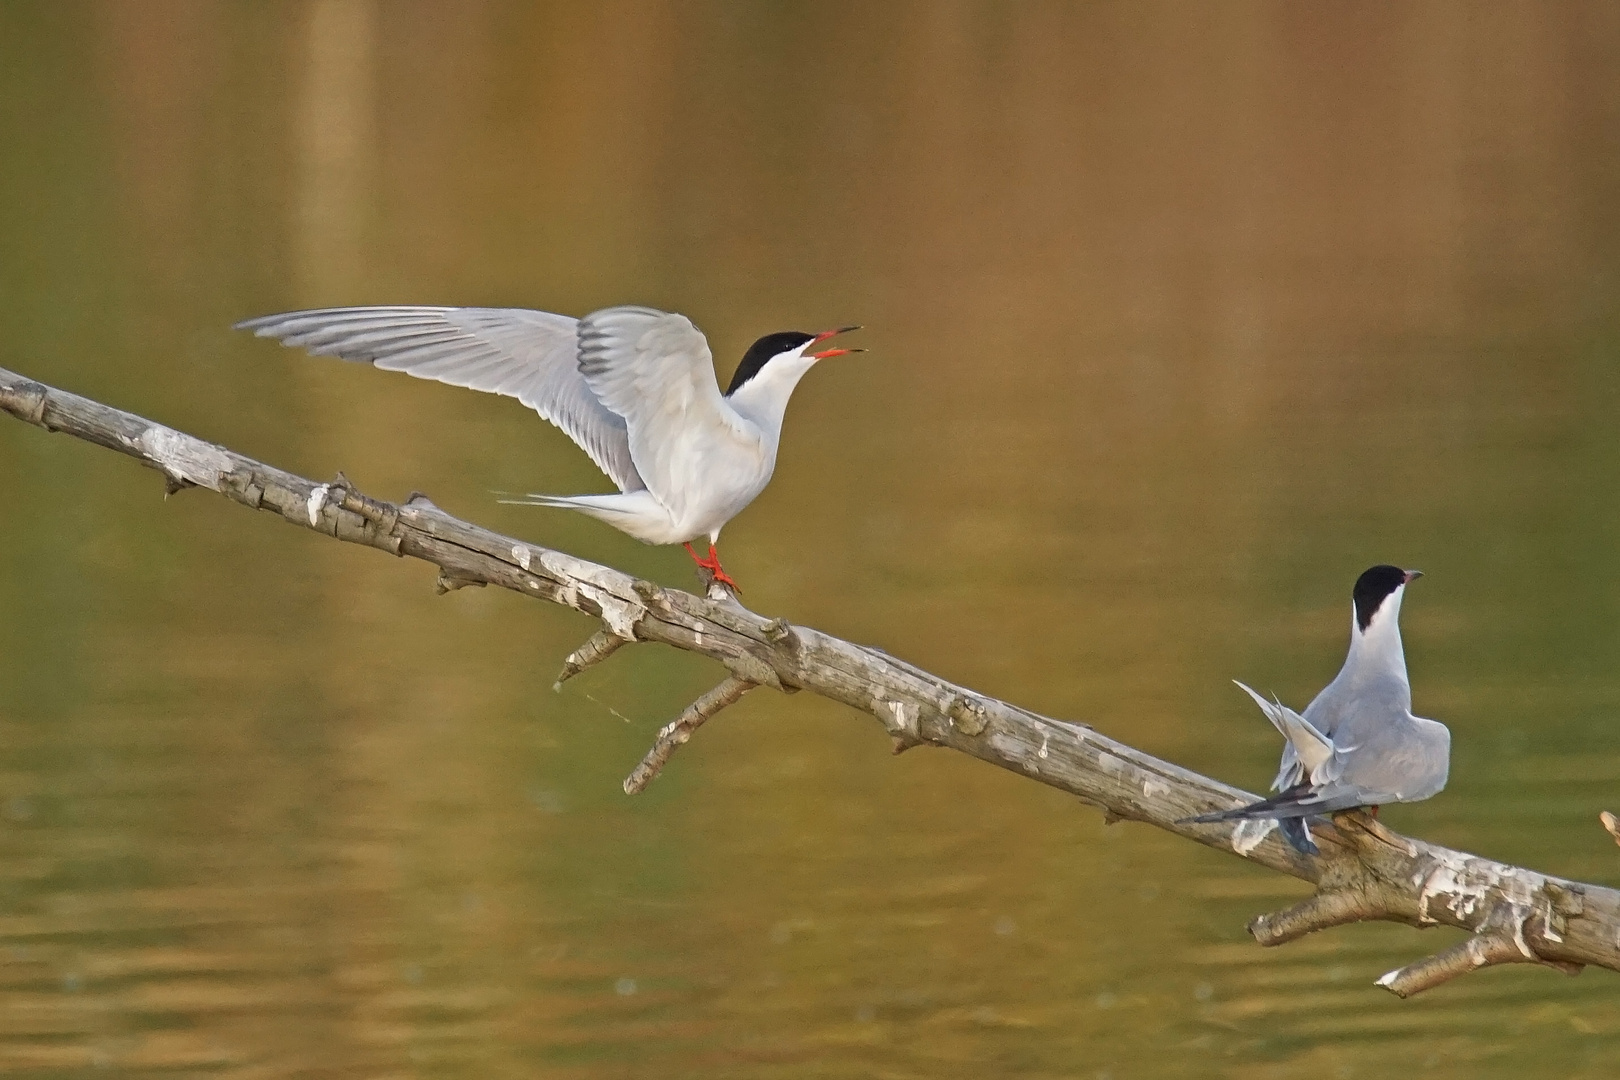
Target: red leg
712, 565
719, 574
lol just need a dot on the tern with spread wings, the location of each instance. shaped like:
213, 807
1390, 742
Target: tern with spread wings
1358, 743
634, 387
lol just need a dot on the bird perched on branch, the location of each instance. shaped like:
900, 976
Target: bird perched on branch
634, 387
1358, 743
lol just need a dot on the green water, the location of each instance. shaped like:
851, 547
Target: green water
1179, 316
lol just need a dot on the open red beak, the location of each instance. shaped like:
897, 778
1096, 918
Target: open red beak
832, 352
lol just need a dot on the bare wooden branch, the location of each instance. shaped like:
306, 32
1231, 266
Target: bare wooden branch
1502, 939
1480, 950
1364, 871
1373, 829
1319, 911
674, 734
716, 590
597, 648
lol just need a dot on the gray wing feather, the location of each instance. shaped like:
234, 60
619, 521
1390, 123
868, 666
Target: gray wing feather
1406, 759
654, 369
532, 356
1313, 751
1289, 770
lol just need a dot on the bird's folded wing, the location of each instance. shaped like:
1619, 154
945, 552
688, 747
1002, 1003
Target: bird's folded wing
529, 355
654, 369
1341, 796
1399, 756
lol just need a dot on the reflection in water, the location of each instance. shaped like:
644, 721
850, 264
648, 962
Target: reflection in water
336, 108
1179, 319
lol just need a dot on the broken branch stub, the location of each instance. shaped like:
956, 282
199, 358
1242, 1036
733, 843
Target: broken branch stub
675, 733
1368, 872
597, 648
1363, 873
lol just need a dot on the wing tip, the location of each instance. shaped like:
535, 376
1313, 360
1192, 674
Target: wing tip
361, 311
1265, 706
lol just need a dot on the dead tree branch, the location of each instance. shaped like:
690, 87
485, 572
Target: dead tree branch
674, 734
1364, 872
597, 648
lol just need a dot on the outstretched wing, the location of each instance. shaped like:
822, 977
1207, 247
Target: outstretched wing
529, 355
654, 369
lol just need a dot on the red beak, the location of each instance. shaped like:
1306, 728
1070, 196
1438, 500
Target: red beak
824, 335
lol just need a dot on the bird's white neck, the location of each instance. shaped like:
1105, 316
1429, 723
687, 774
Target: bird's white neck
763, 399
1376, 651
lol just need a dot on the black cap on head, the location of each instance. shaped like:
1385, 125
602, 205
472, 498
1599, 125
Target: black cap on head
762, 350
1374, 586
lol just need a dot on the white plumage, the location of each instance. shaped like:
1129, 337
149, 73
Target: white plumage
634, 387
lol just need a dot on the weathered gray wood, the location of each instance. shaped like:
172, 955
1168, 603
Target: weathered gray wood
1364, 872
673, 735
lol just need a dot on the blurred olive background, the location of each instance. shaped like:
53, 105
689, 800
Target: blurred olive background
1180, 316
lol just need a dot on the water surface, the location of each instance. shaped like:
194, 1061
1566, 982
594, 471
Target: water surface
1179, 319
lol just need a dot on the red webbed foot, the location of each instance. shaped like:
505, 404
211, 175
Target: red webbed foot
712, 565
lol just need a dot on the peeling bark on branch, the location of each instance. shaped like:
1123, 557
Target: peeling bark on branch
1363, 872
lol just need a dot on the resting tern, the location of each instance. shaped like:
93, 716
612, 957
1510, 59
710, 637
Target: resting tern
1358, 743
634, 387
